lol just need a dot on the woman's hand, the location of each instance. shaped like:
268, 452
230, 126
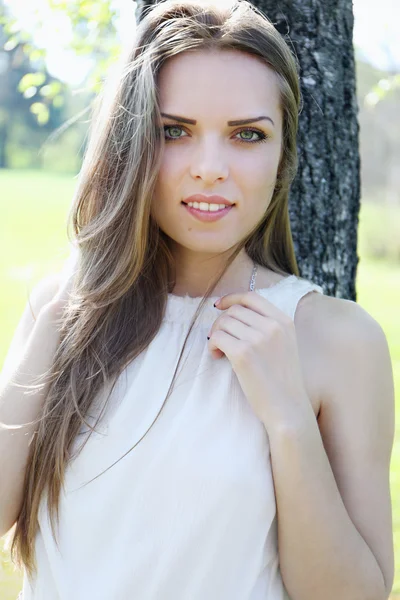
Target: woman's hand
260, 342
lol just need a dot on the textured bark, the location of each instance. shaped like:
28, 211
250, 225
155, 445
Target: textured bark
325, 196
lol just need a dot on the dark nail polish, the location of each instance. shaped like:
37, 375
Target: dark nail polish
208, 338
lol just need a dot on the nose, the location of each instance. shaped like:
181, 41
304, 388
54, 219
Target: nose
209, 162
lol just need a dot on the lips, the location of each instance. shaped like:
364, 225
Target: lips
208, 216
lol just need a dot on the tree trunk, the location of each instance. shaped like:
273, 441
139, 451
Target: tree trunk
325, 196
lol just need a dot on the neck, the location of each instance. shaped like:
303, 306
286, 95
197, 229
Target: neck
195, 273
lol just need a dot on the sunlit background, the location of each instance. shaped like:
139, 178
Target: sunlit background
54, 55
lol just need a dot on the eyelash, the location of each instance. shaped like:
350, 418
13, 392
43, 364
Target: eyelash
263, 136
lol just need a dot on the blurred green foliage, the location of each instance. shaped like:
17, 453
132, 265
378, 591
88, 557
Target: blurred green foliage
93, 34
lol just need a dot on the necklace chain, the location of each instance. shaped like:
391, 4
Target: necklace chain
253, 277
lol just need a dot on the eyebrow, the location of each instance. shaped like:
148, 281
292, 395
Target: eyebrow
230, 123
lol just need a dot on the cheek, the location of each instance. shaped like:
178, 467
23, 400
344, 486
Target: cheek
167, 188
256, 178
170, 174
173, 161
257, 172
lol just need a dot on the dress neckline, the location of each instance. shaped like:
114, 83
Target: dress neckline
181, 309
196, 299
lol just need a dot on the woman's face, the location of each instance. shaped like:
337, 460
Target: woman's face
238, 162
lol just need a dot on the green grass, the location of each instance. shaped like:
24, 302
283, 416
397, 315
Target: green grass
33, 239
33, 207
378, 291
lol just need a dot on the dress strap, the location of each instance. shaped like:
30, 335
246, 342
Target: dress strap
287, 294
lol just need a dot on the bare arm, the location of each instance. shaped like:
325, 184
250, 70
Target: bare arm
30, 355
332, 481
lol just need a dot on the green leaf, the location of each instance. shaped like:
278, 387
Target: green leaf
51, 89
58, 101
31, 79
11, 43
41, 112
37, 54
379, 91
30, 91
13, 27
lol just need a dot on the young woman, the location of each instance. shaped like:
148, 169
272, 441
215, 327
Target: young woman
260, 469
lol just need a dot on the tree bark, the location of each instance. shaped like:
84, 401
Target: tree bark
325, 196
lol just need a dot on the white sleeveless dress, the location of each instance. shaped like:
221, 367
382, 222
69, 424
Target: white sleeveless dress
190, 512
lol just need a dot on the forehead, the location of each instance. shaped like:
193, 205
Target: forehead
223, 82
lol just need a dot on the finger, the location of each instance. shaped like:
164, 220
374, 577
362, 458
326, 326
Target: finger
228, 345
235, 328
255, 302
245, 315
238, 332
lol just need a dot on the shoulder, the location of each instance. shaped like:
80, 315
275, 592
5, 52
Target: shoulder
342, 334
337, 320
42, 293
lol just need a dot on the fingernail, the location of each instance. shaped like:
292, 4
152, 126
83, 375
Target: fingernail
208, 338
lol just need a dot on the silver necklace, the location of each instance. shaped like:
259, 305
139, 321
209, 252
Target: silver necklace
253, 277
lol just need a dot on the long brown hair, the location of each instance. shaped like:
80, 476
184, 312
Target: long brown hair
125, 268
